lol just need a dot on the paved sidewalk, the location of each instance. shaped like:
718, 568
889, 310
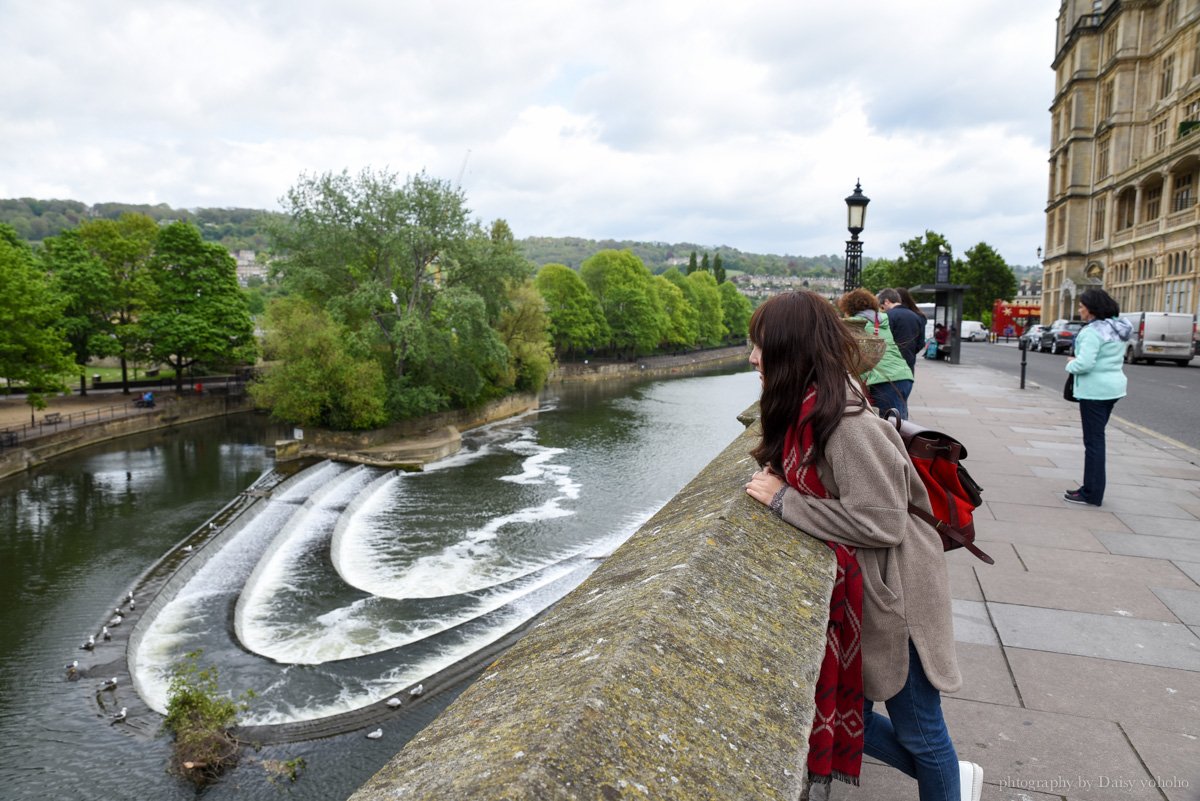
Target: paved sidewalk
1080, 647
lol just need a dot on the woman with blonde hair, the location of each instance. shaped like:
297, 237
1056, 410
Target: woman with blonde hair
833, 468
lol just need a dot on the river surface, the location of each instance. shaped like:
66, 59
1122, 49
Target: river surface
348, 585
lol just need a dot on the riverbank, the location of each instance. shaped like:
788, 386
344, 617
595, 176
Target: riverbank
650, 366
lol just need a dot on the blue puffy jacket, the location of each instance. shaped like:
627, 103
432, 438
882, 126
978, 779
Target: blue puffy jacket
1099, 353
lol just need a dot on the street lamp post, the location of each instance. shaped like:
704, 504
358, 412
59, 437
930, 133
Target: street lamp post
856, 214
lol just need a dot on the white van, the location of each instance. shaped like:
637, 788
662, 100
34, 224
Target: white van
973, 331
1160, 335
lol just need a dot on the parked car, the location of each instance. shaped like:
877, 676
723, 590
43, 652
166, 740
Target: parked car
973, 331
1032, 337
1160, 335
1060, 336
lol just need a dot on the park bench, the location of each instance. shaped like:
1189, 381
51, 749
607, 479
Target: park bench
52, 418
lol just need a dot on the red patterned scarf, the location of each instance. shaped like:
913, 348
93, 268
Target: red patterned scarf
835, 745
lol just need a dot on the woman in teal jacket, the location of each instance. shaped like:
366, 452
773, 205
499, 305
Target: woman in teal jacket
1099, 384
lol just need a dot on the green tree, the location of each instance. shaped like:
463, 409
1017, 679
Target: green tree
918, 265
680, 330
718, 269
704, 264
33, 348
692, 266
199, 313
379, 256
576, 321
686, 317
708, 304
624, 288
877, 274
990, 278
322, 375
524, 328
735, 310
87, 288
125, 247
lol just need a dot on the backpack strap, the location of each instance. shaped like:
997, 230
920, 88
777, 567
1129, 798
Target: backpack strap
947, 531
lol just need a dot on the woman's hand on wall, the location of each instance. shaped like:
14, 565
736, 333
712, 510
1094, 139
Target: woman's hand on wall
763, 485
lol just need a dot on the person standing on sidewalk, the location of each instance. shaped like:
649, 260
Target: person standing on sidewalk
833, 468
890, 381
1099, 383
908, 329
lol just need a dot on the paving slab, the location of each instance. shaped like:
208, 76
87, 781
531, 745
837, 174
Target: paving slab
1075, 539
1120, 598
1176, 470
1149, 546
1101, 688
1070, 477
1185, 604
986, 676
1103, 567
972, 625
963, 583
1004, 554
1192, 569
1070, 516
1144, 642
1032, 751
1173, 760
1119, 505
1146, 524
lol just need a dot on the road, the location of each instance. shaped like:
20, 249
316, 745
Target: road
1162, 397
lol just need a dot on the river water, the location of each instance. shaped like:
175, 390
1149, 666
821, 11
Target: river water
348, 585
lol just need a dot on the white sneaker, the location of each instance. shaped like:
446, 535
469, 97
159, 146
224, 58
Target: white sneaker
970, 778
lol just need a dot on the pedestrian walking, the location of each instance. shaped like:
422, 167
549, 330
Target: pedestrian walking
1100, 382
890, 381
833, 468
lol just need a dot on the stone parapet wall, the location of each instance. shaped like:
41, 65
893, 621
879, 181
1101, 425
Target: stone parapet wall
649, 365
683, 668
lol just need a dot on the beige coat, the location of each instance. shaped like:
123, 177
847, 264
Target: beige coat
906, 591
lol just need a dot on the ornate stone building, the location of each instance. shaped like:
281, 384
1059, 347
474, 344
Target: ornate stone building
1125, 156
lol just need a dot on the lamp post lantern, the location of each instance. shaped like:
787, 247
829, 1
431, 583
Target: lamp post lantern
856, 215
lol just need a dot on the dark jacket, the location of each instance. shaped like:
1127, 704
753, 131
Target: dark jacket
908, 329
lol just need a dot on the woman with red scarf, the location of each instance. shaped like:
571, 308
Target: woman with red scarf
834, 469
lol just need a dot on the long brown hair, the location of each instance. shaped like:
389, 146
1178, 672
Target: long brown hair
803, 344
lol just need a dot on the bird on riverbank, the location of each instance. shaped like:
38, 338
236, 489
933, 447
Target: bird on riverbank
132, 604
111, 684
105, 634
375, 735
90, 644
116, 621
187, 549
73, 670
415, 691
118, 717
393, 702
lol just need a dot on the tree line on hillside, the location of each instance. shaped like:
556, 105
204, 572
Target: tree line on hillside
234, 229
126, 288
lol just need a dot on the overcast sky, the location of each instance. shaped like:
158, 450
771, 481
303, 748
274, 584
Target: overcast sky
720, 123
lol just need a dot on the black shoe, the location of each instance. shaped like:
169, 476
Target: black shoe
1077, 497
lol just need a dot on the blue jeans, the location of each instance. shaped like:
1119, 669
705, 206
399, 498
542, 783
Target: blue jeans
913, 738
1094, 415
891, 395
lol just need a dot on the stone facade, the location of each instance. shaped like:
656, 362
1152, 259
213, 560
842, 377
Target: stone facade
1124, 168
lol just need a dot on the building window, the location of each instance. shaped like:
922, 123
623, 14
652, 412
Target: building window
1102, 158
1110, 43
1106, 99
1166, 76
1050, 218
1181, 194
1170, 15
1158, 138
1125, 210
1098, 213
1062, 225
1153, 202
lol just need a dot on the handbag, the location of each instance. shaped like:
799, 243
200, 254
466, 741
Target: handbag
1069, 389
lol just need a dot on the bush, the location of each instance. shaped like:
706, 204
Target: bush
201, 718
